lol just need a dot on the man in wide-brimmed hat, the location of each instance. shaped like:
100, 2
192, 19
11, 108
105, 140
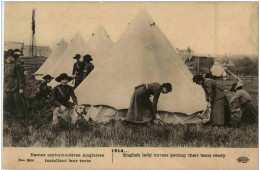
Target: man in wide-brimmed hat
77, 71
14, 85
88, 65
249, 111
44, 92
62, 93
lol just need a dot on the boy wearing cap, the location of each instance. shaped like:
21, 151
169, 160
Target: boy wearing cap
77, 71
62, 93
14, 85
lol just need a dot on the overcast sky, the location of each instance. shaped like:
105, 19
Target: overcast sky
208, 28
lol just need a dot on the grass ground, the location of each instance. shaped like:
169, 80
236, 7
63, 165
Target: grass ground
128, 135
117, 133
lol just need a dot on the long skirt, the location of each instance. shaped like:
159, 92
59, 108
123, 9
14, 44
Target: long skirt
78, 80
249, 113
220, 112
140, 108
15, 104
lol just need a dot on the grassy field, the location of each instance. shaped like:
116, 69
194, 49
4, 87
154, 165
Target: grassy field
118, 133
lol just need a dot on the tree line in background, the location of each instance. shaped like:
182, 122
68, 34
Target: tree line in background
245, 66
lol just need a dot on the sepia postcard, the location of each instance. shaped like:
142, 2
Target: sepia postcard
130, 85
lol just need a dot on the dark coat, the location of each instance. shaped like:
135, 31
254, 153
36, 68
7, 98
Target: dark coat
61, 96
249, 113
141, 109
43, 91
78, 70
220, 113
88, 68
14, 80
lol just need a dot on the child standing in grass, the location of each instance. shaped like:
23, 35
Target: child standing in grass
249, 111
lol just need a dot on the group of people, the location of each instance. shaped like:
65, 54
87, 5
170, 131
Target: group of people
15, 103
220, 105
141, 108
81, 69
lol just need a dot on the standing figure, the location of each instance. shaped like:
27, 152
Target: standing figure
19, 53
249, 111
14, 85
215, 95
89, 66
141, 109
77, 71
62, 93
44, 92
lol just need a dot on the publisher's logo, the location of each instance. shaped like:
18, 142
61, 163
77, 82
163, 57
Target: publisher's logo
242, 159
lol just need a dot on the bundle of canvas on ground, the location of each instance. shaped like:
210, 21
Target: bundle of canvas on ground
104, 114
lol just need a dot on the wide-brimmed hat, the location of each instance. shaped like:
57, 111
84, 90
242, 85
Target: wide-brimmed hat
9, 52
14, 53
87, 57
63, 76
77, 56
48, 77
18, 52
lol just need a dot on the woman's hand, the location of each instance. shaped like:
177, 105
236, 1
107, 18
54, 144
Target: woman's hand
157, 116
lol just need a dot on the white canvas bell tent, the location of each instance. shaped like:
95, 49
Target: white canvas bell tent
53, 58
142, 55
217, 70
97, 46
77, 45
99, 43
65, 64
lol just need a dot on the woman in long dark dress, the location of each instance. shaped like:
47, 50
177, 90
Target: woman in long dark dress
249, 111
141, 108
215, 95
